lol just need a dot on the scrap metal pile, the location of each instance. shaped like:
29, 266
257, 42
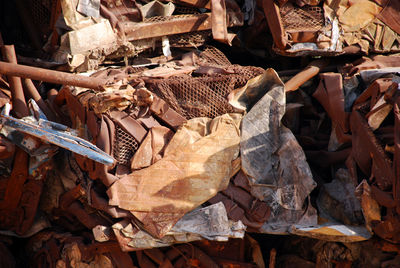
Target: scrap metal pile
129, 139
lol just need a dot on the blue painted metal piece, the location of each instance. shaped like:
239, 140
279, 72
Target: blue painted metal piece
55, 133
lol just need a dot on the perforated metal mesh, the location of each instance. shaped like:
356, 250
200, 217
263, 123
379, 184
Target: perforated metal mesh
203, 96
194, 39
213, 56
41, 12
166, 18
186, 10
125, 146
307, 18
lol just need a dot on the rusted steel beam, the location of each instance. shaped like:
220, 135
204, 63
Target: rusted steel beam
173, 25
50, 76
19, 105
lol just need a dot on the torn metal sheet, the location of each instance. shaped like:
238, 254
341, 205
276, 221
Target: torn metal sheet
209, 222
274, 161
196, 165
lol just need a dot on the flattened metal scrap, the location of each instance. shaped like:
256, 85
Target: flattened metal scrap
274, 161
196, 165
210, 222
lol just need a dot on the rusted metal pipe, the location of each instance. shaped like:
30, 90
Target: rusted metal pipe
175, 25
51, 76
309, 72
19, 105
32, 92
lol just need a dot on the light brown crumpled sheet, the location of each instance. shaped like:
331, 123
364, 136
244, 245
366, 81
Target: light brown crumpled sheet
196, 165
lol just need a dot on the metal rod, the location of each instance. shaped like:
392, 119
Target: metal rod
51, 76
17, 93
31, 90
309, 72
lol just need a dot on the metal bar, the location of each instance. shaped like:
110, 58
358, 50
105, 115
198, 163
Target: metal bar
174, 25
34, 94
51, 76
19, 104
309, 72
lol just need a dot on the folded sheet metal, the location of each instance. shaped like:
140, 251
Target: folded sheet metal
196, 165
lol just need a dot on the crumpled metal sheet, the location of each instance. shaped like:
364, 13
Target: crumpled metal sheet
152, 147
333, 232
337, 200
209, 222
274, 161
196, 165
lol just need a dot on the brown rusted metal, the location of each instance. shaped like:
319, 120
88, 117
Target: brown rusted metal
396, 160
19, 105
50, 76
272, 14
32, 92
173, 25
272, 258
368, 152
16, 181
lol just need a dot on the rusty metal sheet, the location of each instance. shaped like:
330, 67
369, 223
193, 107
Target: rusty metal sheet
152, 148
368, 152
198, 160
390, 14
172, 25
331, 96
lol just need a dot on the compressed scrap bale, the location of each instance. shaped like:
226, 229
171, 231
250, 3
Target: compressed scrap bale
196, 165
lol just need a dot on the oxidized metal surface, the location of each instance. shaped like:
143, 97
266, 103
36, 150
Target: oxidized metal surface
46, 75
167, 26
